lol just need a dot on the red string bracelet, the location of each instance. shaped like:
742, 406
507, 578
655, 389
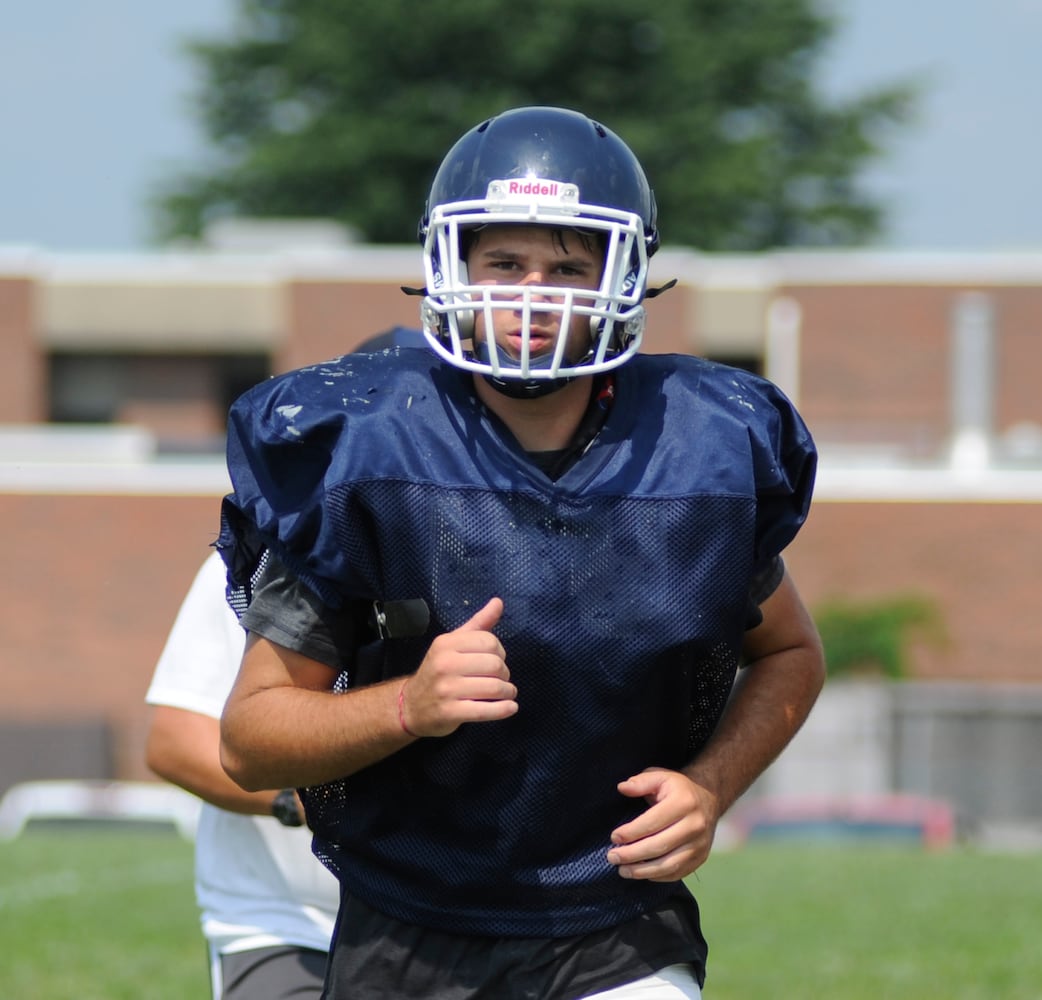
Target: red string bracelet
401, 711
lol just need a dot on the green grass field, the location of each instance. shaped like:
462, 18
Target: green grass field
100, 915
872, 923
106, 915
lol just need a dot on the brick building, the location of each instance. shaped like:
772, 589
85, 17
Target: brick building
917, 373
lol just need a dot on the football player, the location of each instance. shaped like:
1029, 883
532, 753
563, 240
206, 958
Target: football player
519, 625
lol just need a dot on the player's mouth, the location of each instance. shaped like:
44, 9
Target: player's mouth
539, 342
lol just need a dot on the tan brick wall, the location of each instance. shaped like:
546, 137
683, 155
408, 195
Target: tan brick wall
669, 322
329, 318
1019, 361
22, 373
979, 562
876, 360
90, 589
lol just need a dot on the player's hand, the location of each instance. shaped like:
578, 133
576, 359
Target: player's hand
673, 836
463, 678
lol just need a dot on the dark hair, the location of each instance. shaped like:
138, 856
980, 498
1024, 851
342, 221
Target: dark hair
591, 239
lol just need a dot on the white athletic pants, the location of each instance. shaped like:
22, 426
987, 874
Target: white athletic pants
675, 982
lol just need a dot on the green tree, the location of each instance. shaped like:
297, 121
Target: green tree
342, 109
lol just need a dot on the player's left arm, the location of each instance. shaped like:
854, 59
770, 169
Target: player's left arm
783, 673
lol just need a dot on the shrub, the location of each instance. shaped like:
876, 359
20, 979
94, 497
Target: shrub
872, 637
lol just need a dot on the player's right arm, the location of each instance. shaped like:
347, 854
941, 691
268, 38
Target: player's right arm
284, 727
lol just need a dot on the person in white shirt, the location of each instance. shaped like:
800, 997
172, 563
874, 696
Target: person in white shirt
267, 905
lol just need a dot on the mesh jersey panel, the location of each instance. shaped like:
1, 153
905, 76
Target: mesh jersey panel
625, 587
240, 595
621, 624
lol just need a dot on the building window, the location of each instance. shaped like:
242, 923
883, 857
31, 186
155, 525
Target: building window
182, 399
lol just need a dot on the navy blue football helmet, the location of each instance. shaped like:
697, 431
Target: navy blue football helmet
541, 166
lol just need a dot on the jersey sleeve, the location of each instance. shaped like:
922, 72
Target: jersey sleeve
289, 614
784, 466
280, 443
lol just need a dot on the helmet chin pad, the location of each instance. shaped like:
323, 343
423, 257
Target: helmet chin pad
540, 363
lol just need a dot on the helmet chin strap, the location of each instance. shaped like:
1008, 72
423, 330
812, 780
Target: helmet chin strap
523, 388
527, 388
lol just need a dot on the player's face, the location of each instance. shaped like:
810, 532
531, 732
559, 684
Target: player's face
535, 255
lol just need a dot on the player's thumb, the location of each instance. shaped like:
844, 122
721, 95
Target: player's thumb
485, 619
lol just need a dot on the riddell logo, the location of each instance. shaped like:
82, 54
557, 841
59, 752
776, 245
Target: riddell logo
533, 187
532, 194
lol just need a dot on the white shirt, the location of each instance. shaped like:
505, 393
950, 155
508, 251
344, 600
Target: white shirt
256, 881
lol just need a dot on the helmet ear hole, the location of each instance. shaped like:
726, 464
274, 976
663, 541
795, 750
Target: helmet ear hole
465, 324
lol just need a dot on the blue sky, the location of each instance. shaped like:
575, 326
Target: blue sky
94, 111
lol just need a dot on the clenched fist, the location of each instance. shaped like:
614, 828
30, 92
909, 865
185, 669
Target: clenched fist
463, 678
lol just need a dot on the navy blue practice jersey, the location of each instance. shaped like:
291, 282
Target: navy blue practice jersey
625, 585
